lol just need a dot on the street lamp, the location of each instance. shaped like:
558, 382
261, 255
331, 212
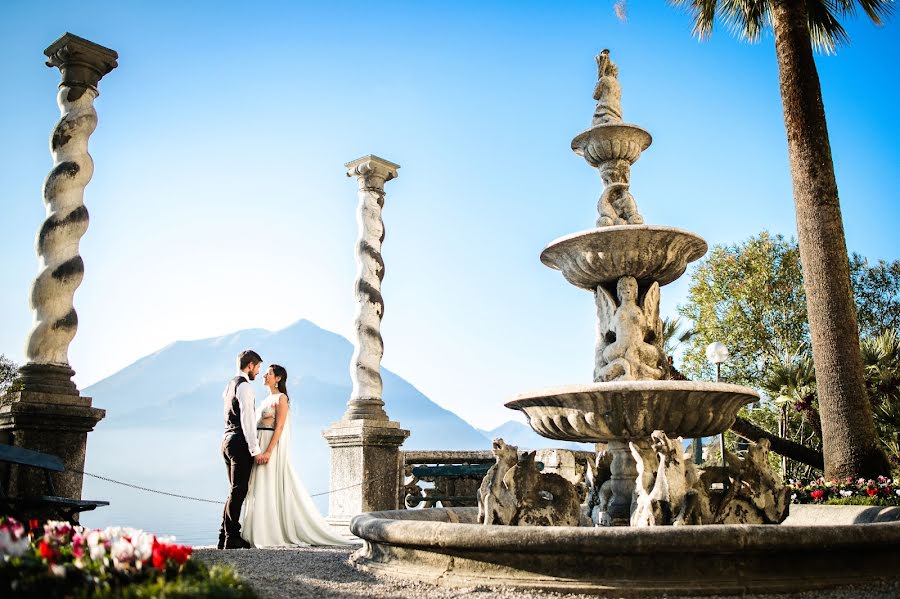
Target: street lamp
717, 353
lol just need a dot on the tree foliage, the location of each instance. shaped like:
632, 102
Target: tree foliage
750, 296
9, 375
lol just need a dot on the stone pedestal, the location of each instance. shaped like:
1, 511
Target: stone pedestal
365, 468
53, 423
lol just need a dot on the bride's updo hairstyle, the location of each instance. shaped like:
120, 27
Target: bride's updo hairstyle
281, 373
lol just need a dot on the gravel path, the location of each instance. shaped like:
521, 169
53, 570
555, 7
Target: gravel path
323, 572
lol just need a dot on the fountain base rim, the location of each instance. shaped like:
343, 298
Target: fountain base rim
443, 546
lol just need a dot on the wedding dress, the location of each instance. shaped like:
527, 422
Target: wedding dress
278, 511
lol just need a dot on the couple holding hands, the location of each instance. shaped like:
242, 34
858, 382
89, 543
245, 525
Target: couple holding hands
278, 511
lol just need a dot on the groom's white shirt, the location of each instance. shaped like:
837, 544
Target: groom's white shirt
247, 400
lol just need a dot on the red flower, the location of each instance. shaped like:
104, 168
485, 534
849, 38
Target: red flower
818, 494
47, 552
33, 524
872, 491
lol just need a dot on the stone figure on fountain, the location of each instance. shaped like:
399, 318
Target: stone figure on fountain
630, 334
617, 207
514, 492
496, 503
668, 490
755, 495
607, 92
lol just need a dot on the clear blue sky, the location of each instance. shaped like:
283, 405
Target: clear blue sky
223, 133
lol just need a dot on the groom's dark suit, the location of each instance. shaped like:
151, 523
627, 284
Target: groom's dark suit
238, 448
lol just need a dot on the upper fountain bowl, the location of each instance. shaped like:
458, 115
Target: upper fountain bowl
606, 254
603, 143
603, 412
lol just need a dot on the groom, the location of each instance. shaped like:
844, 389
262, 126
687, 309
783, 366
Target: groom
239, 446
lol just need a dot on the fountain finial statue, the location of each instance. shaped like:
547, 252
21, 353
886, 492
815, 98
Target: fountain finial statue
607, 92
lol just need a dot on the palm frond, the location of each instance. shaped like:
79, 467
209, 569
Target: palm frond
749, 18
825, 31
703, 14
746, 18
876, 10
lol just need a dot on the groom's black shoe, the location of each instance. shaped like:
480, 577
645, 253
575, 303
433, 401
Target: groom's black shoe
238, 543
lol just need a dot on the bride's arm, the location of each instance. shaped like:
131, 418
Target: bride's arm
281, 412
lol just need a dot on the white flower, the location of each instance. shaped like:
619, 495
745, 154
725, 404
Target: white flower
793, 497
143, 546
122, 553
846, 493
12, 547
96, 545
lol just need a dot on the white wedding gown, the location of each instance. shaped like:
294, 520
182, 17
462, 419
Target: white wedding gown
278, 511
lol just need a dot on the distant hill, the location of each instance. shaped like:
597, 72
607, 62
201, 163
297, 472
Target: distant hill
516, 433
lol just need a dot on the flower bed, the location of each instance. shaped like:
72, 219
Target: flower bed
61, 560
879, 492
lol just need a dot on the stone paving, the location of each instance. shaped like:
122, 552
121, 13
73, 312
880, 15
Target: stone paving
325, 572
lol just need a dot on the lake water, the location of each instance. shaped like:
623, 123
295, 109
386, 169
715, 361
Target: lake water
182, 462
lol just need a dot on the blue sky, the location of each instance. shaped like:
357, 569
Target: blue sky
219, 199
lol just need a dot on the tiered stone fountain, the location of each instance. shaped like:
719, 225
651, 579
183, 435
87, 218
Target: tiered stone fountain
632, 405
624, 262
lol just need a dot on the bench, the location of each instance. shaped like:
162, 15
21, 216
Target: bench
447, 476
17, 507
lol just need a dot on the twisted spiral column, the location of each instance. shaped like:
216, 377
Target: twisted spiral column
61, 269
365, 400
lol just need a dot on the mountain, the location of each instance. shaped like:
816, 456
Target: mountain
522, 436
163, 424
180, 387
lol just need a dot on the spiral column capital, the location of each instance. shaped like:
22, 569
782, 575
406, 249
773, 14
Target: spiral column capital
81, 62
372, 172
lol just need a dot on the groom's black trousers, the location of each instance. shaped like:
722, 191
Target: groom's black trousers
239, 463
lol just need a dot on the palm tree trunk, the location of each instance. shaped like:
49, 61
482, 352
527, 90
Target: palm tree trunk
848, 433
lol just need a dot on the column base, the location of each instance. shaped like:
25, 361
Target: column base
48, 378
365, 468
53, 423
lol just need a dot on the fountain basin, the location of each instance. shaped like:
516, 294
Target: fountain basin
602, 143
446, 547
606, 254
603, 412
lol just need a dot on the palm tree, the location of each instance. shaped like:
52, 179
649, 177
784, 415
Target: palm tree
881, 357
849, 444
792, 383
672, 335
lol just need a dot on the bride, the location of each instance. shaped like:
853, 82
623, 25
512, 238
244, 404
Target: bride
278, 510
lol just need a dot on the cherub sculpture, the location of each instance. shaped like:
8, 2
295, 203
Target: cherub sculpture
629, 334
607, 92
617, 207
